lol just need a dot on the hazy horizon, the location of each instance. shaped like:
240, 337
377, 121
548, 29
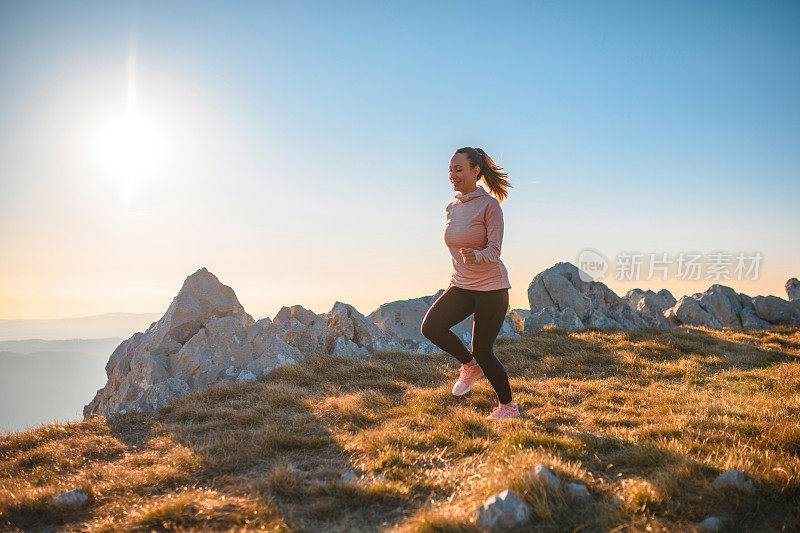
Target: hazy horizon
781, 294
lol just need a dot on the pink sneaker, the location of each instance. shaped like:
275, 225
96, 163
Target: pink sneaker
505, 411
467, 378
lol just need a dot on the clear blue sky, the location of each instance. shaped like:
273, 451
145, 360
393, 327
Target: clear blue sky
306, 144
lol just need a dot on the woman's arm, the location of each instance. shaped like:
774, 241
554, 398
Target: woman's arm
494, 235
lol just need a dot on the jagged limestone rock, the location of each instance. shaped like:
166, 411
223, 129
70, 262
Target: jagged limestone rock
750, 319
518, 317
651, 304
723, 304
541, 474
688, 311
70, 499
560, 288
579, 492
502, 512
715, 524
206, 337
305, 330
722, 307
345, 321
402, 319
734, 478
139, 370
793, 291
776, 310
565, 319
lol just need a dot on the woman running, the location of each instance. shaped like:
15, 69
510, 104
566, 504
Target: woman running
479, 284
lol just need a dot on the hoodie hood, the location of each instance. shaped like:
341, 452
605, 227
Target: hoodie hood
480, 191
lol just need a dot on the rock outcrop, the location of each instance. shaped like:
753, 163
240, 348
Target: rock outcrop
689, 311
305, 330
502, 512
776, 310
722, 307
652, 304
793, 291
71, 499
559, 297
402, 319
518, 317
353, 333
736, 479
206, 337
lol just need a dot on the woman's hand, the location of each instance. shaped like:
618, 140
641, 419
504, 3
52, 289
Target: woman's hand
468, 254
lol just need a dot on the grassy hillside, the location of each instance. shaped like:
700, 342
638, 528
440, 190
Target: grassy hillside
653, 416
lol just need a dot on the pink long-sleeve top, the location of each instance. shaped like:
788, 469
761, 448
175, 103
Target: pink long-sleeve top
475, 220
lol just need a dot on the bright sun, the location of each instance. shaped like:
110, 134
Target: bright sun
129, 148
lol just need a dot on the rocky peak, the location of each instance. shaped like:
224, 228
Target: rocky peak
202, 298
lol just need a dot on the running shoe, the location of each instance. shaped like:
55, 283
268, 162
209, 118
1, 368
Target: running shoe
505, 411
467, 378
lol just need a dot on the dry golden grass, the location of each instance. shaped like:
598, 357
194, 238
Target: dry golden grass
650, 416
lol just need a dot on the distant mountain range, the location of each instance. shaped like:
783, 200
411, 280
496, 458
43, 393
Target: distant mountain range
43, 381
94, 347
87, 327
51, 368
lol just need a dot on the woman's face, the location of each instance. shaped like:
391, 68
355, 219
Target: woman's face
463, 178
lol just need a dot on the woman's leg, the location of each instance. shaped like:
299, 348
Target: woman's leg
490, 312
452, 307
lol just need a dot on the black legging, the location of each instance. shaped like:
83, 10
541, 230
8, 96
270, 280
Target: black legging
490, 308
